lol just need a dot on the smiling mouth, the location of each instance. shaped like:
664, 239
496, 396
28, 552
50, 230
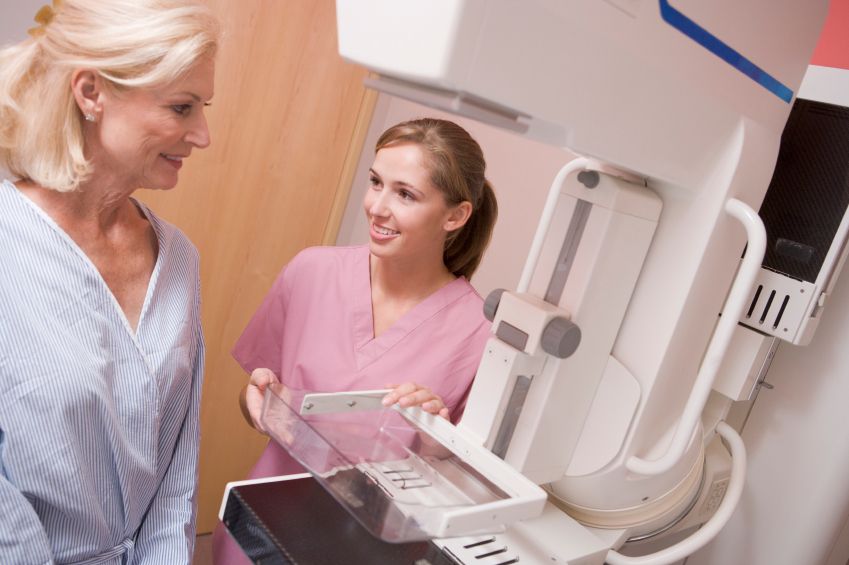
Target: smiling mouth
175, 158
384, 231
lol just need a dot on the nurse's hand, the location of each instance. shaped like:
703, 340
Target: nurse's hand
411, 394
250, 401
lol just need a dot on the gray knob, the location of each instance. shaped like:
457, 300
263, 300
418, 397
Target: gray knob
490, 305
588, 178
560, 338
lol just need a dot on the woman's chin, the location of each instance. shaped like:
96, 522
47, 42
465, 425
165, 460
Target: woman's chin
161, 184
379, 248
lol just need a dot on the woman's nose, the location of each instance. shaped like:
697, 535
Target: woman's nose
379, 205
198, 135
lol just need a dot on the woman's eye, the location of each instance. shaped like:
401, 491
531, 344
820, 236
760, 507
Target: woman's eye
373, 181
406, 195
181, 109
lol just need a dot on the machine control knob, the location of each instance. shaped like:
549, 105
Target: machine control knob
560, 338
590, 179
490, 305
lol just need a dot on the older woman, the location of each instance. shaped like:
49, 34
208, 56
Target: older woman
101, 351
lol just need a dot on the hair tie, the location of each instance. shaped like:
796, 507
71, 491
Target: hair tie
43, 18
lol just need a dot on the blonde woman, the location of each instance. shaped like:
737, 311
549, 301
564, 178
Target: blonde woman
400, 309
101, 351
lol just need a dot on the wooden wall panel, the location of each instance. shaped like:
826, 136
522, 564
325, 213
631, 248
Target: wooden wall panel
286, 114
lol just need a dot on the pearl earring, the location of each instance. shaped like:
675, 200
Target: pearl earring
89, 117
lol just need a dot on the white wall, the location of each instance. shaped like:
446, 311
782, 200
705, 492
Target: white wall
796, 500
16, 17
795, 508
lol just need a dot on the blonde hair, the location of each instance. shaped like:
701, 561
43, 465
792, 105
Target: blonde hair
457, 168
129, 43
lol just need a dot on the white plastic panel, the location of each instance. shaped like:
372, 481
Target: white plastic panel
779, 306
404, 474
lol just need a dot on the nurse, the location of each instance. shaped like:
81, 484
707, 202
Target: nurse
400, 309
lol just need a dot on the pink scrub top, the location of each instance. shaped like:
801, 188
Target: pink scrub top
315, 331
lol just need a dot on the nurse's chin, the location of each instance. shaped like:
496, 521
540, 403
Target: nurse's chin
383, 249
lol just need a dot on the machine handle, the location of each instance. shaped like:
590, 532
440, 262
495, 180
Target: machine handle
577, 164
734, 305
708, 531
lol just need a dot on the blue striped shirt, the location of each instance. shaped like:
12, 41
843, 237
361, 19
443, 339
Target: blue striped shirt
98, 423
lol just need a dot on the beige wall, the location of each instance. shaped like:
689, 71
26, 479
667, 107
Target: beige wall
285, 117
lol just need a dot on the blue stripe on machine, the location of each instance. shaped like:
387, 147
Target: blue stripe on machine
722, 50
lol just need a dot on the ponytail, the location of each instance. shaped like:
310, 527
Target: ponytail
464, 248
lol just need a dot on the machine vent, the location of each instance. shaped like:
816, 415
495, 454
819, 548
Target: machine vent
767, 308
488, 550
779, 306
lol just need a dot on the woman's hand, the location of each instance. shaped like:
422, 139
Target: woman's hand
411, 394
250, 400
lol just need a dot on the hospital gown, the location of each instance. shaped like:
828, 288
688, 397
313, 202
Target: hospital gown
98, 423
316, 332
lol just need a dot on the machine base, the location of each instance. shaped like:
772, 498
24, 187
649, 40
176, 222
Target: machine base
295, 521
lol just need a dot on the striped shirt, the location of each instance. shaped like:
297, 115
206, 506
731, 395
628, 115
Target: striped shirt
98, 423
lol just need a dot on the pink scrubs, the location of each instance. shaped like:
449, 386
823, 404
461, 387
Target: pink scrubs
315, 331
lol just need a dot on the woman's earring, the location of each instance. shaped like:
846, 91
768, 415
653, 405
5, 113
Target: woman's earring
89, 117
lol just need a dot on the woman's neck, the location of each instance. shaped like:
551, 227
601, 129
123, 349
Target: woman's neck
95, 205
398, 287
408, 280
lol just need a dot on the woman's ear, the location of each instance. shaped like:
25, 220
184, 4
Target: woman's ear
458, 216
88, 92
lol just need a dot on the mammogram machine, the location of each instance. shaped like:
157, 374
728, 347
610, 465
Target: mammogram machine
652, 297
